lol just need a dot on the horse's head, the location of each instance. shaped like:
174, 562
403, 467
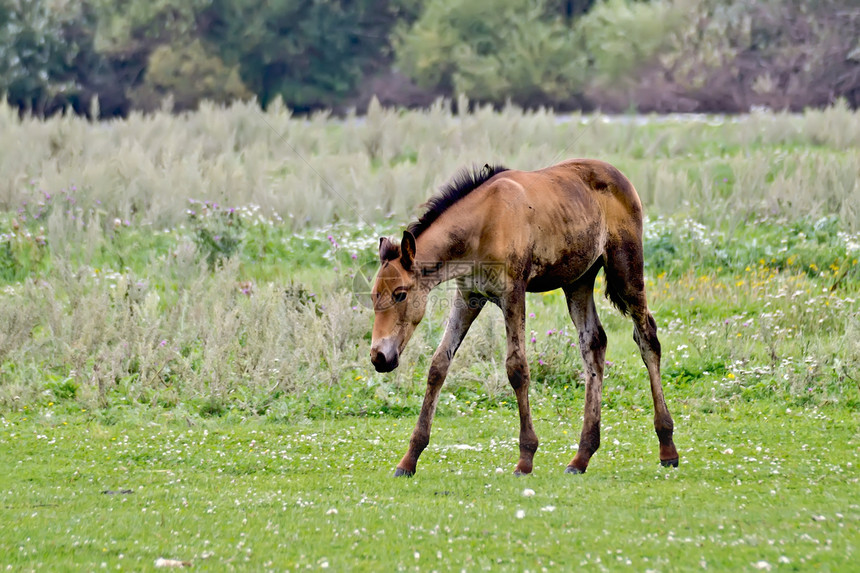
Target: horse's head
399, 302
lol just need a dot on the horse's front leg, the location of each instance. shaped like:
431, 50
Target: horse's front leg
466, 308
514, 308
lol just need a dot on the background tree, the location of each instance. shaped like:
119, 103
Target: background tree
185, 75
510, 49
37, 65
128, 33
311, 53
655, 55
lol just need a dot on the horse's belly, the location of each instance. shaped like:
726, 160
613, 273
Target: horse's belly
548, 277
557, 267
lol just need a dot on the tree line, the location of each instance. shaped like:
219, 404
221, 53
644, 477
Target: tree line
110, 57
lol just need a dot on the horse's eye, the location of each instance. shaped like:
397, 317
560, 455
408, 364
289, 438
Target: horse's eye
399, 296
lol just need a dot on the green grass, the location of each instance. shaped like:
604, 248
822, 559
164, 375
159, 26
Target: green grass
758, 482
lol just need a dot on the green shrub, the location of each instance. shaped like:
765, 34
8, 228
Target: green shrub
218, 232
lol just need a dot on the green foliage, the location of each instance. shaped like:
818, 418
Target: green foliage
135, 52
676, 55
62, 388
24, 249
217, 231
22, 255
145, 44
55, 54
622, 36
312, 54
187, 75
739, 54
568, 8
130, 27
36, 63
107, 57
494, 52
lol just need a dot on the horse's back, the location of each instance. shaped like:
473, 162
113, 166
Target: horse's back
603, 180
575, 192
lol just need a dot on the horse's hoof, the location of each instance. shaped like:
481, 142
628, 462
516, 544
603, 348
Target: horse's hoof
519, 473
669, 463
403, 473
573, 470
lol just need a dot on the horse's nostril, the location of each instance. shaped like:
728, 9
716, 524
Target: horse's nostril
377, 357
382, 363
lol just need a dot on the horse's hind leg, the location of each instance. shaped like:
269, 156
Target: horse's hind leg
592, 345
645, 335
626, 289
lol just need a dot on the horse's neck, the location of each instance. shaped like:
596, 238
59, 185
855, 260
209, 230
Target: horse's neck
434, 261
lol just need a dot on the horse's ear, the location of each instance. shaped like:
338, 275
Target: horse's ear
407, 250
388, 251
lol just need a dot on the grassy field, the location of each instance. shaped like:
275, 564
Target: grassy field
183, 317
760, 486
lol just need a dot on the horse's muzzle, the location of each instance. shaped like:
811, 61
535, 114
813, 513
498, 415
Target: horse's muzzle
384, 359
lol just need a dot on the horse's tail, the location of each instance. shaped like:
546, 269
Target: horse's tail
613, 292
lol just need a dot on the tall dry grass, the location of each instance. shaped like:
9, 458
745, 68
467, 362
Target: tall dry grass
173, 329
311, 171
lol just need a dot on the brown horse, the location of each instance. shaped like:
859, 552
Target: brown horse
500, 233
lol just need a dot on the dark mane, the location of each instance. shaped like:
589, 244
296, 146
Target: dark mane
461, 184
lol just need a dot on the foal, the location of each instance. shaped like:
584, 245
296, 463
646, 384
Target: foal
500, 233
